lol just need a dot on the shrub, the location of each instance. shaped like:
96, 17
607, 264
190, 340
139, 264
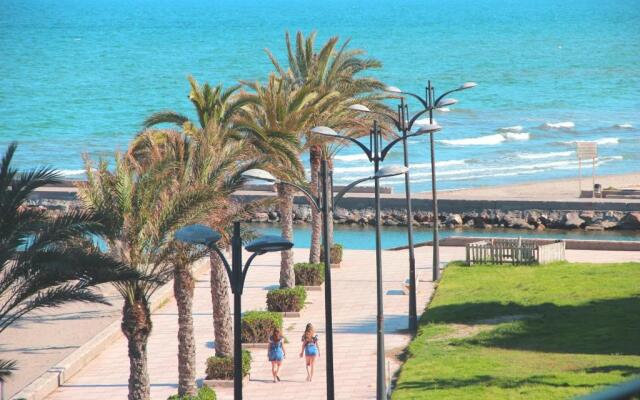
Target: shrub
308, 274
287, 299
204, 393
257, 326
222, 368
336, 253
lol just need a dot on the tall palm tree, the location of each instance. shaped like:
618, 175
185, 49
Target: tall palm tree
141, 209
330, 69
215, 167
46, 261
218, 109
280, 110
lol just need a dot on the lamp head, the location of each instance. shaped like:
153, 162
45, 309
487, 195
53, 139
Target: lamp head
428, 128
259, 174
359, 107
391, 170
266, 244
446, 102
197, 234
393, 89
325, 131
468, 85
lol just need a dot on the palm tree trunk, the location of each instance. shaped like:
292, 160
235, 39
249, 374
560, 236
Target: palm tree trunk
183, 287
285, 197
315, 154
136, 326
222, 323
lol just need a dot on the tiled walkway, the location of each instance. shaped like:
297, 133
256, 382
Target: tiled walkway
354, 308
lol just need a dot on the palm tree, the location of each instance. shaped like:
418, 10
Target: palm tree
142, 204
215, 167
46, 261
217, 108
329, 70
281, 111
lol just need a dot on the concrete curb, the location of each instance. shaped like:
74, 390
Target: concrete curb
57, 375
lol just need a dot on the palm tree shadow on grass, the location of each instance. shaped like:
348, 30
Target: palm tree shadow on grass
488, 380
599, 327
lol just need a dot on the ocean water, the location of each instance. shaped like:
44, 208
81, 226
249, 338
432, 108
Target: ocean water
81, 75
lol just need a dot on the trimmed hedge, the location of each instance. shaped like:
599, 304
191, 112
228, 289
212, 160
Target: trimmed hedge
336, 253
204, 393
257, 326
308, 274
287, 299
222, 368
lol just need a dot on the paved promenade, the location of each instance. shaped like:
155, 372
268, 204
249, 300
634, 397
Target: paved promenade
354, 326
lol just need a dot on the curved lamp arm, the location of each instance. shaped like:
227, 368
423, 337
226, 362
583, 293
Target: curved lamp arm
314, 202
365, 109
326, 131
415, 118
420, 99
227, 267
340, 195
245, 269
392, 143
364, 148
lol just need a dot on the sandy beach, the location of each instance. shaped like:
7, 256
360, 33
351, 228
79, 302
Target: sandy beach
557, 189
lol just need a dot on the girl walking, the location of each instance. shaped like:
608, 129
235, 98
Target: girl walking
276, 353
310, 349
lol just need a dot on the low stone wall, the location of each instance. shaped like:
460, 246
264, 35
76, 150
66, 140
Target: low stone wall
530, 220
590, 220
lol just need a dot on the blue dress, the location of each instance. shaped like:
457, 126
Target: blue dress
275, 352
311, 348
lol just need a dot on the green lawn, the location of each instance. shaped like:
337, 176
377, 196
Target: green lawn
540, 332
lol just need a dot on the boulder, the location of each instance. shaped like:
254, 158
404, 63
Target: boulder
631, 221
453, 220
572, 221
588, 216
260, 217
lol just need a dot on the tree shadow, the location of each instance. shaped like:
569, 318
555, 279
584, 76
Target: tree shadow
608, 326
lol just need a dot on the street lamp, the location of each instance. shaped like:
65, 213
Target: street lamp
323, 203
203, 235
376, 154
429, 105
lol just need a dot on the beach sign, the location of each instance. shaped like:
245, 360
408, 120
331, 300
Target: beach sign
587, 151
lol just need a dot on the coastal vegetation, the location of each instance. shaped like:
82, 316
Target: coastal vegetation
553, 331
45, 260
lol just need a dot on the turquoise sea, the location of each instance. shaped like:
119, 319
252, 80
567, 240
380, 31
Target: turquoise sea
80, 75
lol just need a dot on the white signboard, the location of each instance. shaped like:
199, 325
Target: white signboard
587, 150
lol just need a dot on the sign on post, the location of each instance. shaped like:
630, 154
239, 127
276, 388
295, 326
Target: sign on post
586, 151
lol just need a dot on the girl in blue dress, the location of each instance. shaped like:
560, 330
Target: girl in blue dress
276, 353
310, 349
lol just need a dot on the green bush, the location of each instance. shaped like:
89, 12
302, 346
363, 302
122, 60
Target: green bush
287, 299
257, 326
222, 367
336, 253
205, 393
308, 274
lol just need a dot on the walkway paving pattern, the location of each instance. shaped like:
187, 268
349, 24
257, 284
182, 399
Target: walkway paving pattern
354, 307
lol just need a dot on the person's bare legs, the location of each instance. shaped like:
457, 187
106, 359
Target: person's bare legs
278, 365
313, 362
273, 370
309, 360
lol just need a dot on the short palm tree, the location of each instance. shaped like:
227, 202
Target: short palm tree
335, 70
46, 261
142, 208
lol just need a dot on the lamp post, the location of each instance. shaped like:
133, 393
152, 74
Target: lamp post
376, 154
324, 203
429, 105
204, 235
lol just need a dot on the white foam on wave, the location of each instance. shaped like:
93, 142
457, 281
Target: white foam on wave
559, 125
601, 141
443, 109
623, 126
418, 166
72, 172
476, 141
517, 135
351, 157
540, 156
515, 128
